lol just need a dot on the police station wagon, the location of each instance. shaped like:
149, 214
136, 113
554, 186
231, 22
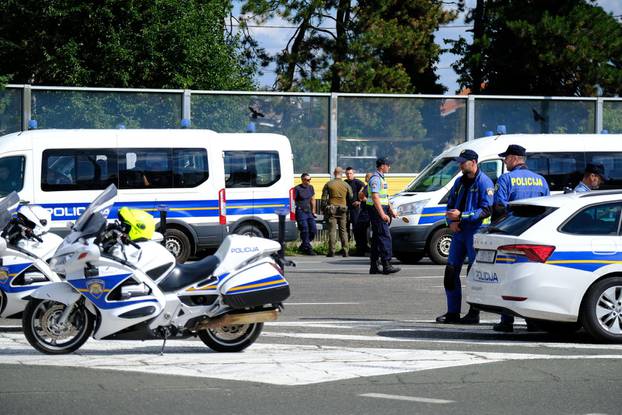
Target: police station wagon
557, 260
211, 184
559, 158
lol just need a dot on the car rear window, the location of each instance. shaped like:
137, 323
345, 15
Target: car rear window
521, 218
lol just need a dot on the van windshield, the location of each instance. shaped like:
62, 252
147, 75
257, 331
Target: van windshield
435, 176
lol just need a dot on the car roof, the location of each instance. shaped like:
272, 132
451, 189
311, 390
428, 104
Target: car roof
573, 199
493, 145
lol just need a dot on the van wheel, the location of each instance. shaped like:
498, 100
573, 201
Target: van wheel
601, 314
178, 244
408, 257
439, 246
249, 230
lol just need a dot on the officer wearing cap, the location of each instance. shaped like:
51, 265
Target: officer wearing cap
518, 183
593, 178
380, 212
468, 206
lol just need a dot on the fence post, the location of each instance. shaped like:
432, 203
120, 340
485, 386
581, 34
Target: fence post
26, 106
186, 104
599, 115
332, 139
470, 132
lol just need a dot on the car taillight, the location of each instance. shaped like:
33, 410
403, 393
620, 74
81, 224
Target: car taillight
537, 253
292, 208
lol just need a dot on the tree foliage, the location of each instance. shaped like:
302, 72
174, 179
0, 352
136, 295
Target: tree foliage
122, 43
357, 46
541, 47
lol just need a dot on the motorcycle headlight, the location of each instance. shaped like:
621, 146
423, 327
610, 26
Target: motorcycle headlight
413, 208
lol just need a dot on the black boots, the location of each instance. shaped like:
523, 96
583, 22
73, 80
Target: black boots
449, 318
387, 268
472, 317
374, 268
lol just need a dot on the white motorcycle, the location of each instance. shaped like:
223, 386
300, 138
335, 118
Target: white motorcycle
223, 299
25, 247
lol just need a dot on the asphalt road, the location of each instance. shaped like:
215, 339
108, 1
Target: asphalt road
347, 343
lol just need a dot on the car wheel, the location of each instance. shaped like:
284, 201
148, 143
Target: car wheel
439, 246
408, 258
178, 244
602, 310
250, 230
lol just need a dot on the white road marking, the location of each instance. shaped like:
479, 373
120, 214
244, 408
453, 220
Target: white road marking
342, 303
265, 363
516, 343
404, 398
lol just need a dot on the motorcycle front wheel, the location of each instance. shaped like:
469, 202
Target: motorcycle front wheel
44, 332
233, 338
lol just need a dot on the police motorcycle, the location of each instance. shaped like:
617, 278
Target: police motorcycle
223, 299
25, 247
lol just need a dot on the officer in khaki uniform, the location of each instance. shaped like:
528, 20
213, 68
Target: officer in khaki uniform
336, 194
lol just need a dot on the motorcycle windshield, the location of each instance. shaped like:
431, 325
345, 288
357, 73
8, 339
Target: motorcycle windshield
101, 205
8, 206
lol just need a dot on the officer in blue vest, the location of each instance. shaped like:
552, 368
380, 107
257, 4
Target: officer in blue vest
468, 206
518, 183
593, 178
380, 214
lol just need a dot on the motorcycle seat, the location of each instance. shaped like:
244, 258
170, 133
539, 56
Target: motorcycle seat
184, 275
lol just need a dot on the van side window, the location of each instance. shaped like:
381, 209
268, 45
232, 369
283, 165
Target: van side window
492, 169
559, 169
145, 168
595, 220
78, 169
11, 174
189, 167
251, 168
613, 168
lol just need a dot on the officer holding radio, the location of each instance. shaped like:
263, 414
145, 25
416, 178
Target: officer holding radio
468, 206
518, 183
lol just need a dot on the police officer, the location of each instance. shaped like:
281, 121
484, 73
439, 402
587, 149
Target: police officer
468, 206
380, 213
305, 213
593, 178
518, 183
336, 194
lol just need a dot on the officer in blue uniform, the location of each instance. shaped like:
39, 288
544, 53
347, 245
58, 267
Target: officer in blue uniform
468, 206
380, 214
305, 213
593, 178
518, 183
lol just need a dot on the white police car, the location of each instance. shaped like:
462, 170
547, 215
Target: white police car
557, 260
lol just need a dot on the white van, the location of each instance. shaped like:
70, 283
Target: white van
560, 158
212, 184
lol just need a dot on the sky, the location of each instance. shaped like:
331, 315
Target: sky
273, 37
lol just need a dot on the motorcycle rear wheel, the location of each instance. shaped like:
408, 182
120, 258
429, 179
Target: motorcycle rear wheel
41, 328
230, 339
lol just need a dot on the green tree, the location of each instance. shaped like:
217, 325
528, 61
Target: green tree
357, 46
122, 43
541, 47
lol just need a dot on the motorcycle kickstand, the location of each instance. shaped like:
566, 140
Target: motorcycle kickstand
165, 333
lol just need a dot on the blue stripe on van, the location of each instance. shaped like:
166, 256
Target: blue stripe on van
177, 208
432, 214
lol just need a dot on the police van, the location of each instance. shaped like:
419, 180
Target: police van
210, 184
559, 158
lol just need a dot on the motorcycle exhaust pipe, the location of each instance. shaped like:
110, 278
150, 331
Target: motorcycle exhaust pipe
236, 319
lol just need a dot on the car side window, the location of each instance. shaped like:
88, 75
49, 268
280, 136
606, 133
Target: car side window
601, 219
559, 169
251, 168
78, 169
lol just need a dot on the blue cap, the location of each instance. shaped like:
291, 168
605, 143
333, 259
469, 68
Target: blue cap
382, 161
466, 155
514, 150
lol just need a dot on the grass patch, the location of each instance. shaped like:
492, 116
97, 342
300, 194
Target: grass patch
320, 248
